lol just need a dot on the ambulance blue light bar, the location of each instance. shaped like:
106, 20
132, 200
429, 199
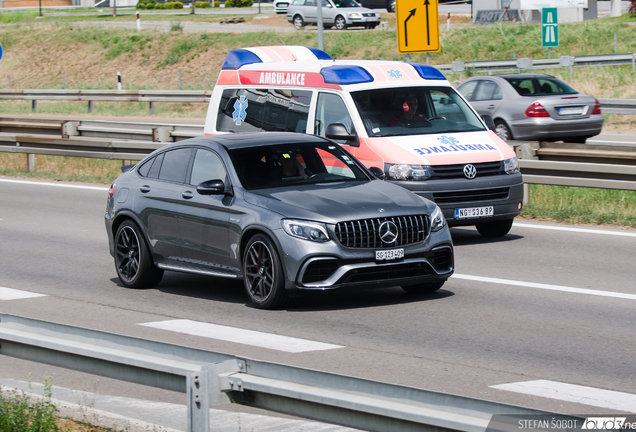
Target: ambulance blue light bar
428, 72
345, 75
320, 54
240, 57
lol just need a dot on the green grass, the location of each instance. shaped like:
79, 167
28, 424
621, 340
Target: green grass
19, 413
581, 205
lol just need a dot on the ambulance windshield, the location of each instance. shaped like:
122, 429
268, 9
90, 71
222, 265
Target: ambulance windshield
415, 111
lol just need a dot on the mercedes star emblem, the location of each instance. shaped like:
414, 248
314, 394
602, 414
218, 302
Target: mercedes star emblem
388, 232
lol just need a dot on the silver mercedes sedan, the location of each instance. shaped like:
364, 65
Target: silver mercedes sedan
284, 212
529, 106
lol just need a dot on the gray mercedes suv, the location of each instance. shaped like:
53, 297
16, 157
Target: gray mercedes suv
284, 212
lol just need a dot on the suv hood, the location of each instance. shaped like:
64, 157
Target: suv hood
330, 203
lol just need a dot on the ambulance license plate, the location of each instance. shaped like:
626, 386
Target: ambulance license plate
387, 255
474, 212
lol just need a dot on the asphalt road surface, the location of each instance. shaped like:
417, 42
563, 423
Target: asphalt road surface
548, 306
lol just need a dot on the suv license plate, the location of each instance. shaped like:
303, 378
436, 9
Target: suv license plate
386, 255
474, 212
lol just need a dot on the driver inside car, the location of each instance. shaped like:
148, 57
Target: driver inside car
409, 112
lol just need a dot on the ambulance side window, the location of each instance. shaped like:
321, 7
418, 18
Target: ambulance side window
331, 109
255, 110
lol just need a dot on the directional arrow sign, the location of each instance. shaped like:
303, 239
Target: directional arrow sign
417, 25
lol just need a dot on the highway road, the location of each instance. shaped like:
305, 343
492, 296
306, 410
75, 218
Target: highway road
548, 307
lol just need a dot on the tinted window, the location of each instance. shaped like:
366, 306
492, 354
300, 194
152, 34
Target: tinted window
252, 110
294, 164
487, 90
143, 169
467, 89
543, 85
207, 166
175, 165
156, 166
331, 109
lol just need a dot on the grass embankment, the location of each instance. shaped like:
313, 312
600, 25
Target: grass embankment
58, 50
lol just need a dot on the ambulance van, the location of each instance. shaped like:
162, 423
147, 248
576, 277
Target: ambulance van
404, 121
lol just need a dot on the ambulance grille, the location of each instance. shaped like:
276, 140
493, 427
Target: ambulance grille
457, 170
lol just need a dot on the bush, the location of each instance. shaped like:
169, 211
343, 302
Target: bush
201, 4
632, 7
238, 3
217, 3
146, 4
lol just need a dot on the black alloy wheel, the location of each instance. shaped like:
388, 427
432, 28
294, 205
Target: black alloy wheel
133, 260
263, 274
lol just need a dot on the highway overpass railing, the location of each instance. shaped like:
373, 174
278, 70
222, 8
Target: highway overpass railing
212, 379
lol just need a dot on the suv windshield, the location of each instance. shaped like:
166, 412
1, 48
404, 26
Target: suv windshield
303, 163
415, 111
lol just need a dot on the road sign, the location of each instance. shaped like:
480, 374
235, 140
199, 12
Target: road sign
417, 26
549, 28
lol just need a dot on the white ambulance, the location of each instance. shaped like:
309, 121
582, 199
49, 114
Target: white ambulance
403, 120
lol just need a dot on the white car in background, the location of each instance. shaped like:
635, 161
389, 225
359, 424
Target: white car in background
280, 6
339, 13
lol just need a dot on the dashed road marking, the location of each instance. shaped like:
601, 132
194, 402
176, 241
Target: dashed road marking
65, 185
619, 401
577, 230
14, 294
237, 335
545, 286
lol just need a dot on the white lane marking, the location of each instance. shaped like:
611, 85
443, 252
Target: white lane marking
66, 185
246, 337
14, 294
579, 230
546, 286
574, 393
611, 142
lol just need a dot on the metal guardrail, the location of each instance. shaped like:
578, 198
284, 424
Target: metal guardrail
212, 379
529, 63
129, 141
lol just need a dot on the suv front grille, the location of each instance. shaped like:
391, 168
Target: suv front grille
457, 170
365, 233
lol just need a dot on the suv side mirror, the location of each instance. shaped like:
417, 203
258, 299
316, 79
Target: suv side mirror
338, 132
378, 172
212, 187
490, 124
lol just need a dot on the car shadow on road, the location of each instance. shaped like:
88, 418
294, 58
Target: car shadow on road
465, 236
232, 291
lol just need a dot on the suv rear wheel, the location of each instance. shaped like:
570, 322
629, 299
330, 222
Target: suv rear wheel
133, 260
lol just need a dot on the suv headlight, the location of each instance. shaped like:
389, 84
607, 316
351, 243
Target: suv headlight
511, 166
437, 220
312, 231
407, 172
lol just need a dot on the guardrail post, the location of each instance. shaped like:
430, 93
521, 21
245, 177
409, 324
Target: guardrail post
90, 106
526, 194
162, 134
31, 162
633, 61
34, 105
152, 108
198, 402
69, 128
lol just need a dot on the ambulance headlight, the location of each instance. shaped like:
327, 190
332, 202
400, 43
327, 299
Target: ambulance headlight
511, 166
407, 172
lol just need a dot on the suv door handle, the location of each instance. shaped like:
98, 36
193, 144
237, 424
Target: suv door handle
187, 194
145, 189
